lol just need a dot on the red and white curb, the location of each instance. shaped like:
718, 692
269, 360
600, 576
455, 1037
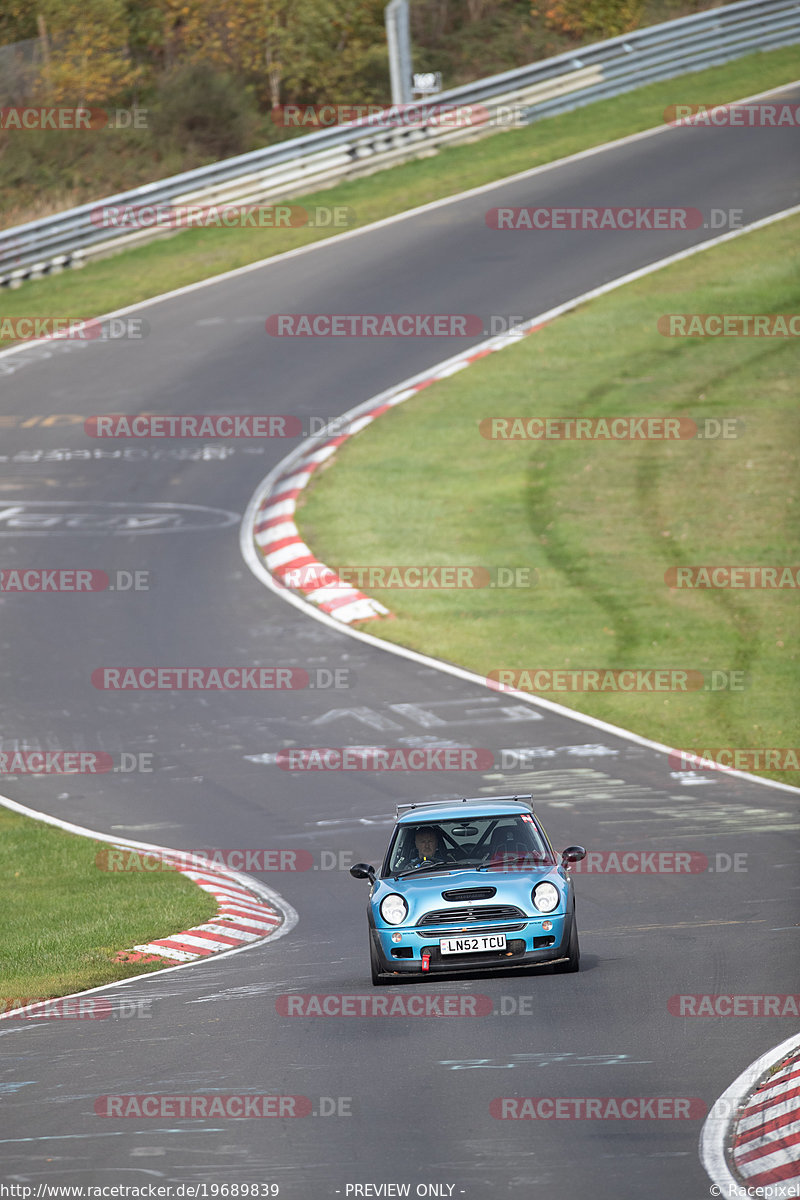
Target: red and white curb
766, 1138
286, 554
269, 523
750, 1142
275, 534
243, 917
250, 912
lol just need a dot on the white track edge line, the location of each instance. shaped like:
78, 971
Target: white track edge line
247, 544
716, 1128
290, 916
579, 155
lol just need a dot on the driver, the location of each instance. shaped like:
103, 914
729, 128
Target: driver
429, 846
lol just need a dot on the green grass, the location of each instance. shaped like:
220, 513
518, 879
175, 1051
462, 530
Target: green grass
191, 255
600, 521
65, 919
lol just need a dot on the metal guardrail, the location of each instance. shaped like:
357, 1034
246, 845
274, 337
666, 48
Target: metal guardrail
323, 158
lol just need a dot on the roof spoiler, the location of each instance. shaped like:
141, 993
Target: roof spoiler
517, 798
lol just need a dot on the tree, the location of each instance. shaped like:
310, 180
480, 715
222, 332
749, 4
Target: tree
17, 21
287, 49
89, 58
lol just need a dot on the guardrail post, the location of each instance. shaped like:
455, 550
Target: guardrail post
398, 35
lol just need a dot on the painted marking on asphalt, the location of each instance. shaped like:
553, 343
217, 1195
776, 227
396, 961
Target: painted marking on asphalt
213, 452
545, 1059
44, 518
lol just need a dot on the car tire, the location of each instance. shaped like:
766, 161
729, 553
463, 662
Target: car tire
378, 978
573, 962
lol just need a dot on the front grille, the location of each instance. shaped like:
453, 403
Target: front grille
476, 893
462, 916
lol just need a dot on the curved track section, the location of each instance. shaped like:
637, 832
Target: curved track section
410, 1099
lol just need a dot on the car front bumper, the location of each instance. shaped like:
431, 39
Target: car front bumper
526, 944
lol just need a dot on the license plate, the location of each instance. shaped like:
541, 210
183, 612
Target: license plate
468, 945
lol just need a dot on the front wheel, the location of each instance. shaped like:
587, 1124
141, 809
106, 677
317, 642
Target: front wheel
573, 962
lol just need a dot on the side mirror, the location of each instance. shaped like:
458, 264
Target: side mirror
572, 854
363, 871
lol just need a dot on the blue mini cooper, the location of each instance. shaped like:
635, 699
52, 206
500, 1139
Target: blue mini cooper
470, 884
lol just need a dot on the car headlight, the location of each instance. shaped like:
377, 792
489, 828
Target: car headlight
546, 897
394, 909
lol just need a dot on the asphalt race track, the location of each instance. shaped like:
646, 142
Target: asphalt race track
410, 1096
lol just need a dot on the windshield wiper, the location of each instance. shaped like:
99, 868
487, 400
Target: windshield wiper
442, 866
451, 866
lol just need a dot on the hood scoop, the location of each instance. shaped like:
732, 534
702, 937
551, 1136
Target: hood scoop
475, 893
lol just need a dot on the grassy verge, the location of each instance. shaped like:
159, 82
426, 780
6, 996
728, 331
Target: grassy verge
191, 255
65, 918
603, 521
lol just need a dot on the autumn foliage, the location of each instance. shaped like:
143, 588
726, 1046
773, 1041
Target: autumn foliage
102, 50
280, 51
590, 19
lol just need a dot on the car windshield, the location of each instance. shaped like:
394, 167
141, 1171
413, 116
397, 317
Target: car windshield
509, 842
